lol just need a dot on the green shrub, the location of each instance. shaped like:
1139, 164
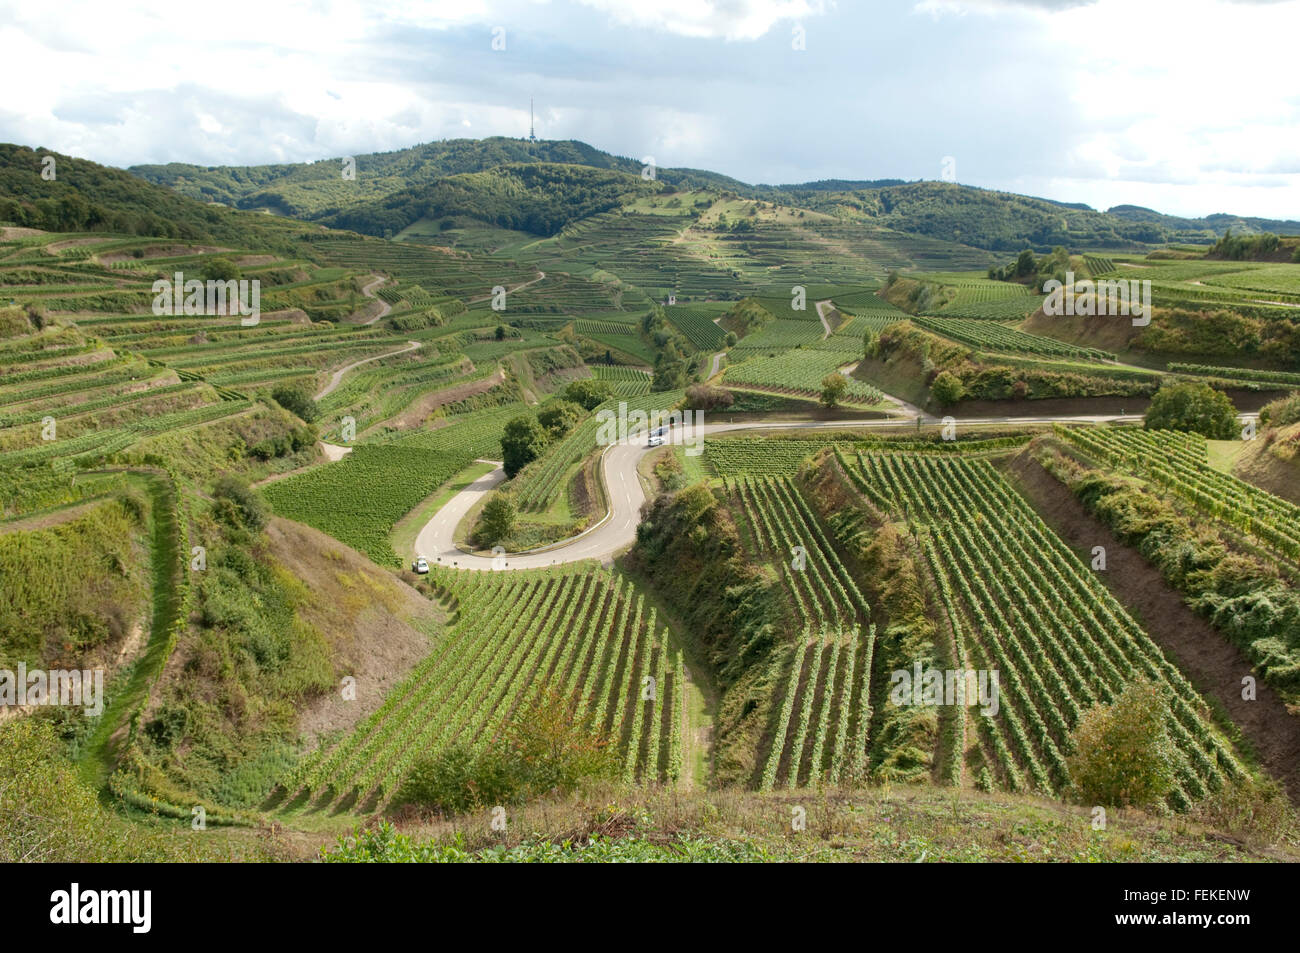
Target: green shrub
544, 749
297, 400
559, 416
589, 393
833, 388
523, 441
47, 814
1123, 755
235, 504
1193, 407
219, 269
497, 521
1281, 412
947, 389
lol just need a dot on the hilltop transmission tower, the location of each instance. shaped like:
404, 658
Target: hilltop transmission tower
532, 136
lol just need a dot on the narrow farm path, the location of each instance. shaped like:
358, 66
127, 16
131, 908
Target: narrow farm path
822, 307
384, 306
519, 287
338, 375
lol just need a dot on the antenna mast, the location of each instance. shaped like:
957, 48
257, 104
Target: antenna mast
532, 136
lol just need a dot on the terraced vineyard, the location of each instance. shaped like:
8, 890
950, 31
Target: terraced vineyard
638, 249
802, 566
822, 707
585, 635
1179, 462
604, 327
800, 373
849, 338
991, 336
697, 323
625, 381
1099, 267
770, 456
448, 273
1013, 308
565, 294
377, 392
864, 302
733, 456
778, 336
1019, 601
1283, 378
972, 292
359, 499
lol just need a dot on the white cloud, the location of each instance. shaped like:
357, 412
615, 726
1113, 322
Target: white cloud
939, 8
727, 19
1115, 101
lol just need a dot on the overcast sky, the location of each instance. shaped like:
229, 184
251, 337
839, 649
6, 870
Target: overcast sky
1187, 106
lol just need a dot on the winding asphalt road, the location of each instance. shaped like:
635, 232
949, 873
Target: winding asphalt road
436, 541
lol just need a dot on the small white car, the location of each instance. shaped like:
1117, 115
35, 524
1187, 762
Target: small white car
655, 441
421, 565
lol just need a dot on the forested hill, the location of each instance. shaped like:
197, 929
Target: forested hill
540, 198
389, 186
539, 187
47, 190
318, 189
1003, 221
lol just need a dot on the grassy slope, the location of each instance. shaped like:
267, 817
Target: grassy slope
1267, 465
167, 554
905, 824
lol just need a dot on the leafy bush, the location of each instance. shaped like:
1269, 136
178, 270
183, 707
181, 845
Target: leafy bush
1193, 408
47, 814
296, 399
559, 416
219, 269
589, 393
522, 442
1220, 332
833, 387
544, 749
236, 505
284, 444
704, 397
386, 845
947, 388
497, 521
1281, 412
1123, 755
1244, 247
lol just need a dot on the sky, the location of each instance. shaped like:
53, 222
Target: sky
1186, 106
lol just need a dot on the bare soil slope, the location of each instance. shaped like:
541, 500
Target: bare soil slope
376, 625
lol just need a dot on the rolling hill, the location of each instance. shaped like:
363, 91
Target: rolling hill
390, 184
